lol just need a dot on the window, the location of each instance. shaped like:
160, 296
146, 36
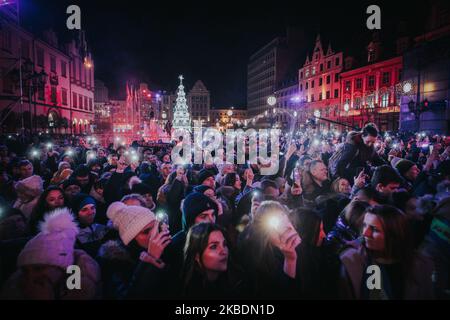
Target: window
307, 73
74, 99
313, 70
80, 101
6, 39
336, 77
64, 96
385, 78
357, 103
371, 57
63, 69
321, 67
90, 104
25, 46
53, 64
312, 98
301, 75
85, 103
40, 57
336, 93
370, 101
306, 85
347, 85
320, 96
337, 62
320, 81
41, 93
399, 74
301, 87
328, 79
371, 81
358, 83
312, 84
385, 99
328, 95
329, 64
53, 94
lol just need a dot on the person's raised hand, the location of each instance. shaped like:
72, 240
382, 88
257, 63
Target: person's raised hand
360, 180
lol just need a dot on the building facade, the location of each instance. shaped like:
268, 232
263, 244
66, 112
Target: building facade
288, 98
268, 66
370, 94
198, 100
44, 86
226, 118
426, 77
319, 85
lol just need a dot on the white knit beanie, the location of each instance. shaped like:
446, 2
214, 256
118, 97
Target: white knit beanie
129, 220
54, 245
32, 186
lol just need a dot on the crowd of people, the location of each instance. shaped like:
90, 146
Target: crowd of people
140, 227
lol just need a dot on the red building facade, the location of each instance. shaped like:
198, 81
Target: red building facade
319, 86
369, 94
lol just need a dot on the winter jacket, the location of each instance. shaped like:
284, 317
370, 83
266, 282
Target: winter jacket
339, 236
353, 154
90, 282
417, 284
311, 190
117, 263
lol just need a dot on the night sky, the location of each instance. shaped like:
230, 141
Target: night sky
211, 41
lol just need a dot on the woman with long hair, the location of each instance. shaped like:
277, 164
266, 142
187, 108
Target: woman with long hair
385, 265
52, 198
206, 270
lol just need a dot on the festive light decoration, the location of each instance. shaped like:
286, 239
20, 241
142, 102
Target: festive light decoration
181, 117
271, 101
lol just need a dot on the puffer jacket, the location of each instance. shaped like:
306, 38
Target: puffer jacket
339, 236
353, 154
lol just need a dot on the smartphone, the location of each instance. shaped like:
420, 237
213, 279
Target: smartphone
163, 221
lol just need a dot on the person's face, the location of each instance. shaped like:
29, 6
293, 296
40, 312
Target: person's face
412, 173
238, 183
55, 199
149, 200
144, 235
86, 214
228, 168
132, 202
5, 160
166, 170
272, 192
181, 171
210, 193
411, 207
83, 180
113, 161
215, 256
99, 191
206, 216
72, 190
209, 182
166, 158
147, 154
96, 168
388, 189
369, 140
320, 172
101, 153
373, 233
344, 186
26, 171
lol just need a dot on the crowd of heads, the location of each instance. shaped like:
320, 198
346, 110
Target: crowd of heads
142, 227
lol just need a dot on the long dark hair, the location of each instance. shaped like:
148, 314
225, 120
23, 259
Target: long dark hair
196, 243
308, 225
42, 207
398, 242
230, 179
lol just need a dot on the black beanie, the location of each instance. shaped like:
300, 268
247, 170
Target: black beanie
403, 166
141, 188
203, 175
194, 204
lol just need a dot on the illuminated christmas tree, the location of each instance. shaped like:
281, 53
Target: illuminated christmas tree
181, 117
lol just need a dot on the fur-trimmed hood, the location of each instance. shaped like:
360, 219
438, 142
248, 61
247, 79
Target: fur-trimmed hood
114, 250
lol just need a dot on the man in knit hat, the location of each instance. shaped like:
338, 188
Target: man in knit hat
196, 208
207, 178
414, 180
44, 260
